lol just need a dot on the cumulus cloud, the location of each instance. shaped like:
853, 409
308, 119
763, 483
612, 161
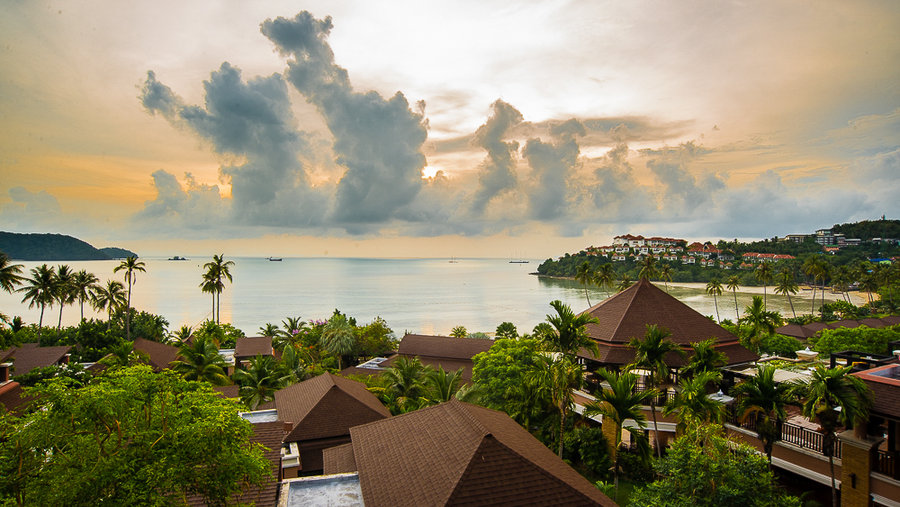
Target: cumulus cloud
378, 140
553, 164
683, 195
496, 174
30, 209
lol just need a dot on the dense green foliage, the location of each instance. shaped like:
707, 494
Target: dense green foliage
868, 229
499, 374
49, 247
861, 339
703, 468
130, 437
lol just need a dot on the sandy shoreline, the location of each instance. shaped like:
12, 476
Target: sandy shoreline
858, 298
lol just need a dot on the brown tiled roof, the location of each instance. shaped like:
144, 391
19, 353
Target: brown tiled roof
12, 398
270, 435
627, 314
795, 330
448, 364
326, 406
339, 459
892, 320
885, 391
30, 356
815, 327
160, 354
232, 391
457, 454
253, 346
873, 323
844, 323
442, 346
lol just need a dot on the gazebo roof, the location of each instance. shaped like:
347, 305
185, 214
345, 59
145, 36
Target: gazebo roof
627, 315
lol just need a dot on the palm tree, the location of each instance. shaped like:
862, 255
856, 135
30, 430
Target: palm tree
585, 275
760, 396
648, 268
62, 290
10, 274
832, 397
211, 285
787, 286
705, 357
217, 270
734, 283
764, 275
459, 332
692, 405
442, 385
270, 330
618, 403
624, 283
810, 267
131, 266
404, 384
260, 380
83, 284
650, 355
293, 364
824, 275
569, 334
39, 290
665, 273
762, 322
338, 337
199, 359
110, 298
605, 276
714, 287
557, 378
183, 334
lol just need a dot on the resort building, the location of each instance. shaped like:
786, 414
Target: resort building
21, 360
247, 348
444, 352
158, 355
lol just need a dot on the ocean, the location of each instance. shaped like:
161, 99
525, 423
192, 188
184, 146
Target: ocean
427, 296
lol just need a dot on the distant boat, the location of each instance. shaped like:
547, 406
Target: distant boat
453, 260
274, 259
177, 258
520, 261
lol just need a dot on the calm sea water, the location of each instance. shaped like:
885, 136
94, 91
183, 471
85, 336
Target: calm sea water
428, 296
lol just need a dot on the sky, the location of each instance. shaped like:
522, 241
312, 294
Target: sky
439, 129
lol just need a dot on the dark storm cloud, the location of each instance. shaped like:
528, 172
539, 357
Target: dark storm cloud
496, 174
252, 121
378, 140
553, 164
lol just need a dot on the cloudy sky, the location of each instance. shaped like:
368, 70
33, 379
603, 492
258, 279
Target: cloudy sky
466, 128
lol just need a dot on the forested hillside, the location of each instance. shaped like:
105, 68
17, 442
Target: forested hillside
54, 247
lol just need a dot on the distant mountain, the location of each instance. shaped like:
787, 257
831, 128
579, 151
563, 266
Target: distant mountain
55, 247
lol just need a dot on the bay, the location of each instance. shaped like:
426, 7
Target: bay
428, 296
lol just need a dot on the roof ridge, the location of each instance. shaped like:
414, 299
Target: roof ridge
462, 406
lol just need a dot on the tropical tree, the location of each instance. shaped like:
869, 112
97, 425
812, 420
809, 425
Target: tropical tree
569, 334
617, 403
705, 357
109, 298
62, 290
585, 275
338, 337
650, 355
182, 334
787, 286
295, 364
130, 266
259, 380
692, 404
665, 274
442, 385
10, 274
199, 359
459, 332
764, 275
211, 285
734, 283
648, 268
83, 284
218, 270
506, 330
762, 323
764, 399
714, 288
605, 276
39, 290
833, 396
403, 385
270, 330
557, 378
624, 283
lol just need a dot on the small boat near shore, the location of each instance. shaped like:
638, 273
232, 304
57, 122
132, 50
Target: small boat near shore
177, 258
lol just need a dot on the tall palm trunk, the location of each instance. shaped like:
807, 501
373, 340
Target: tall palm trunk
792, 305
562, 427
655, 425
716, 301
128, 313
41, 321
81, 304
59, 324
812, 309
736, 312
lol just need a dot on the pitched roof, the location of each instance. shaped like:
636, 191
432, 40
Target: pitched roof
339, 459
253, 346
326, 406
795, 330
160, 354
442, 346
12, 398
30, 356
457, 453
627, 314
